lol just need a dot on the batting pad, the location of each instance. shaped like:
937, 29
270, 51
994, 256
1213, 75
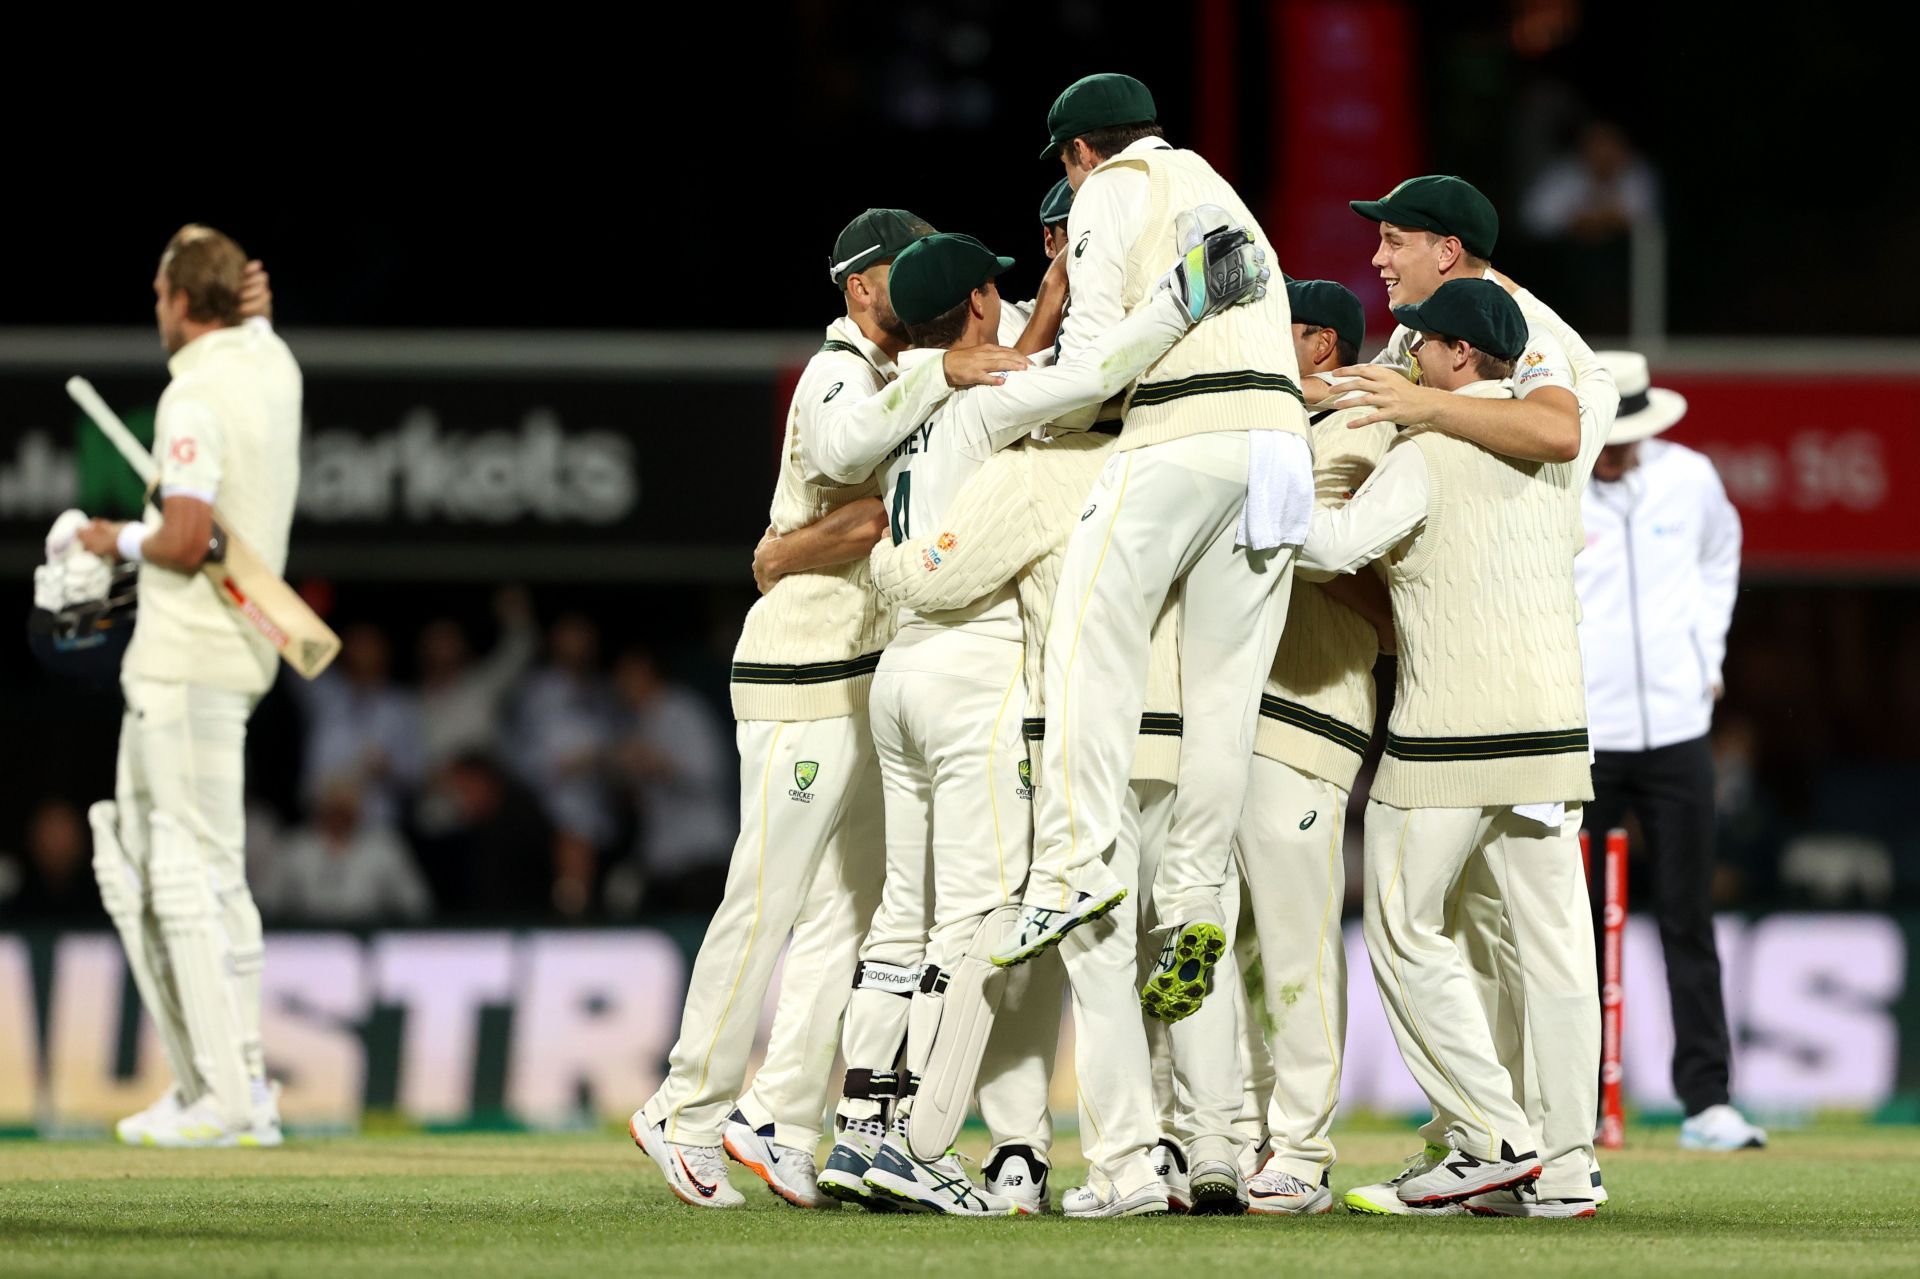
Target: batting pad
959, 1042
187, 902
123, 891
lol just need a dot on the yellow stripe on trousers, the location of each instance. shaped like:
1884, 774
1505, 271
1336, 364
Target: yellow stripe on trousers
753, 933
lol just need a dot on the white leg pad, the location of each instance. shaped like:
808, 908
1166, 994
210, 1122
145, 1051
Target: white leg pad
123, 891
967, 1009
187, 901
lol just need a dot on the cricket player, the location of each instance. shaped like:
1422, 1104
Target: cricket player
1434, 229
1486, 761
169, 848
943, 743
1316, 719
1210, 490
811, 841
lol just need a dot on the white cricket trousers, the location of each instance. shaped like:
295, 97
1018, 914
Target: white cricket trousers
175, 885
809, 851
1291, 840
947, 705
1197, 1083
1159, 517
1549, 1067
1416, 864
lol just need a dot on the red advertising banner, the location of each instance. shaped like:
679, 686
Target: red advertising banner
1825, 470
1344, 128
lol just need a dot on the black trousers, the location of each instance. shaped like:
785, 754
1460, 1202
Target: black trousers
1671, 791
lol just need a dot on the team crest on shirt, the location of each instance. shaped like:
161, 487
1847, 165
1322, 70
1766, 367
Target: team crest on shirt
1025, 789
803, 774
1533, 358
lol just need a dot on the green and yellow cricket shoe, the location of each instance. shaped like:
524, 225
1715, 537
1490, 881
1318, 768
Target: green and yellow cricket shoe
1185, 974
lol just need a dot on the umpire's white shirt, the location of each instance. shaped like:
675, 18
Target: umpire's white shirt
227, 431
1656, 584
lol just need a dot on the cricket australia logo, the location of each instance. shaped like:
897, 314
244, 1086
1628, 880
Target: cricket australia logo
803, 774
1025, 789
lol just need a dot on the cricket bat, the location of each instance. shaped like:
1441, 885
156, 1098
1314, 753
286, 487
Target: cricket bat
267, 603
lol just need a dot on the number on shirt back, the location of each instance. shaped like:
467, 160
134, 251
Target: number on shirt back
902, 492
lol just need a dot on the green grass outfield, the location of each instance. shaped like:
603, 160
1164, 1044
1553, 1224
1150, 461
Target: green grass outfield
1826, 1200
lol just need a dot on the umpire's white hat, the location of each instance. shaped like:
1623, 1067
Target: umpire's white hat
1645, 410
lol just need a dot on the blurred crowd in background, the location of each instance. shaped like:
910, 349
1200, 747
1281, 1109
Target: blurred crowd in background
543, 767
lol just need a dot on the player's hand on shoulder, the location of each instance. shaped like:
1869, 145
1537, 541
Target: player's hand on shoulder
256, 292
1222, 266
1390, 393
982, 365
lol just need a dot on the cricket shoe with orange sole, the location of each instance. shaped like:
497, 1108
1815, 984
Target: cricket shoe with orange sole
788, 1170
696, 1174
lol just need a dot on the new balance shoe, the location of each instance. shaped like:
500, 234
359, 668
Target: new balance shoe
1185, 972
845, 1176
938, 1185
1084, 1201
1721, 1128
135, 1128
1218, 1189
1460, 1176
1382, 1198
696, 1174
1275, 1192
1170, 1169
1524, 1201
1040, 928
787, 1170
1017, 1174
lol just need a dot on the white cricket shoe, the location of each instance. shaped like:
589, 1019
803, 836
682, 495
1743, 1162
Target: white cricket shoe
134, 1129
202, 1126
1084, 1201
788, 1170
845, 1176
937, 1185
1041, 927
696, 1174
1275, 1192
1254, 1156
1170, 1170
1524, 1201
1721, 1128
1215, 1180
1016, 1173
1460, 1176
1382, 1198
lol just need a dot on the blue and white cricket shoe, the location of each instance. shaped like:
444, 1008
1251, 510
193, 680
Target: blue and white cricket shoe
941, 1185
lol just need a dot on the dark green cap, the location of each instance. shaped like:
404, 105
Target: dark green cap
1097, 102
1331, 306
874, 236
934, 275
1476, 311
1058, 204
1440, 204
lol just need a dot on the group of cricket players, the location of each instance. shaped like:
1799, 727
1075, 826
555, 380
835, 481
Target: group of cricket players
1062, 676
1058, 686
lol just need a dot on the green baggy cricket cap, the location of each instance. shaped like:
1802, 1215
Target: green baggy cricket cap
934, 275
1441, 204
1476, 311
1330, 305
874, 236
1057, 204
1097, 102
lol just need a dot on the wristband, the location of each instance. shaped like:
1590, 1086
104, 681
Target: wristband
132, 534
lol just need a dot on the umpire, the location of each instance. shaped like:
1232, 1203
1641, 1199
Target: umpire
1656, 584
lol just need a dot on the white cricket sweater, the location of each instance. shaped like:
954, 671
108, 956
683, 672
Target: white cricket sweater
809, 646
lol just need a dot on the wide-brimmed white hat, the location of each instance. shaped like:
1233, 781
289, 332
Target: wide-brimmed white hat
1645, 410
